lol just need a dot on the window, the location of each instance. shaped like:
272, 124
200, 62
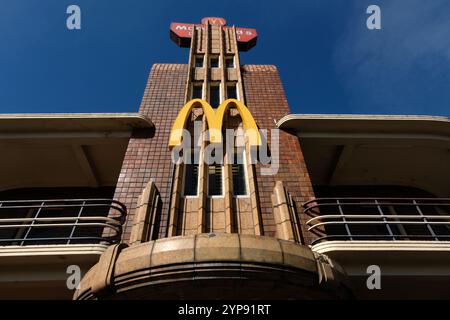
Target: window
214, 95
239, 175
191, 161
229, 62
214, 62
197, 91
215, 180
231, 91
191, 179
199, 61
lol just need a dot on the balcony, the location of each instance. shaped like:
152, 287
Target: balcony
392, 219
50, 236
408, 238
74, 221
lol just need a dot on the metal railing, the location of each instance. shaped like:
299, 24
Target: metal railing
61, 221
378, 219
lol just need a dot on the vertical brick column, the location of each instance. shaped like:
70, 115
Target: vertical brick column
267, 102
147, 159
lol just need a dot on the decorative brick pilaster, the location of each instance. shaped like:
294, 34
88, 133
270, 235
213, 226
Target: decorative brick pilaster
147, 159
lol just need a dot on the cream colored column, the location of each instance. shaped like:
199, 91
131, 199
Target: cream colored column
227, 183
177, 182
282, 214
202, 168
257, 224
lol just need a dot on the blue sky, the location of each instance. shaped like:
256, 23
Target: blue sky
328, 60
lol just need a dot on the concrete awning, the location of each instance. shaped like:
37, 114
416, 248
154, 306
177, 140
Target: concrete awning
308, 125
66, 150
411, 151
72, 122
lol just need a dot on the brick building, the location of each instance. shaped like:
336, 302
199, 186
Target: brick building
344, 193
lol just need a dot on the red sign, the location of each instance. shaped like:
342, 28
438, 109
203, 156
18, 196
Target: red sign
181, 33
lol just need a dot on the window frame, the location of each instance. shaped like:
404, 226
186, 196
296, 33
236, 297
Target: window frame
216, 85
222, 176
247, 193
202, 57
183, 186
197, 84
214, 57
232, 84
233, 61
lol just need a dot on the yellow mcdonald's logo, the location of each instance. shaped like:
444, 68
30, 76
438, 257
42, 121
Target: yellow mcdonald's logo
214, 120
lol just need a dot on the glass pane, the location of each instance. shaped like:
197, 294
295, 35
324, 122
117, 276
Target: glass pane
229, 61
191, 179
231, 91
198, 62
215, 180
197, 92
214, 62
214, 96
239, 185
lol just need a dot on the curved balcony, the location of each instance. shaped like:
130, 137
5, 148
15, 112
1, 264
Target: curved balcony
51, 235
407, 238
213, 266
67, 221
350, 219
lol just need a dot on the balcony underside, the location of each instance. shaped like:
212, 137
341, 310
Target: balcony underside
40, 271
407, 238
375, 150
409, 269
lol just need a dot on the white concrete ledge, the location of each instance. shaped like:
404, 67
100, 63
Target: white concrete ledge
52, 250
341, 125
404, 245
70, 122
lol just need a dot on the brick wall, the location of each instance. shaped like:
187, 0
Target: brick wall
147, 159
266, 100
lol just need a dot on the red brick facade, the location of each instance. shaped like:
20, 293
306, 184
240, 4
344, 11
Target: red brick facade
147, 159
267, 102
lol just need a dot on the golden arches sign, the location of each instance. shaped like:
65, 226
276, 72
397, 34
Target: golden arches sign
214, 120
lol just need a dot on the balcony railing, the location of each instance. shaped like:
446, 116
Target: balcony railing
74, 221
393, 219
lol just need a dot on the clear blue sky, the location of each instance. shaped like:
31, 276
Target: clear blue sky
328, 60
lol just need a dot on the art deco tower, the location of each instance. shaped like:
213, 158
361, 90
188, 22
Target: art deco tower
224, 229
